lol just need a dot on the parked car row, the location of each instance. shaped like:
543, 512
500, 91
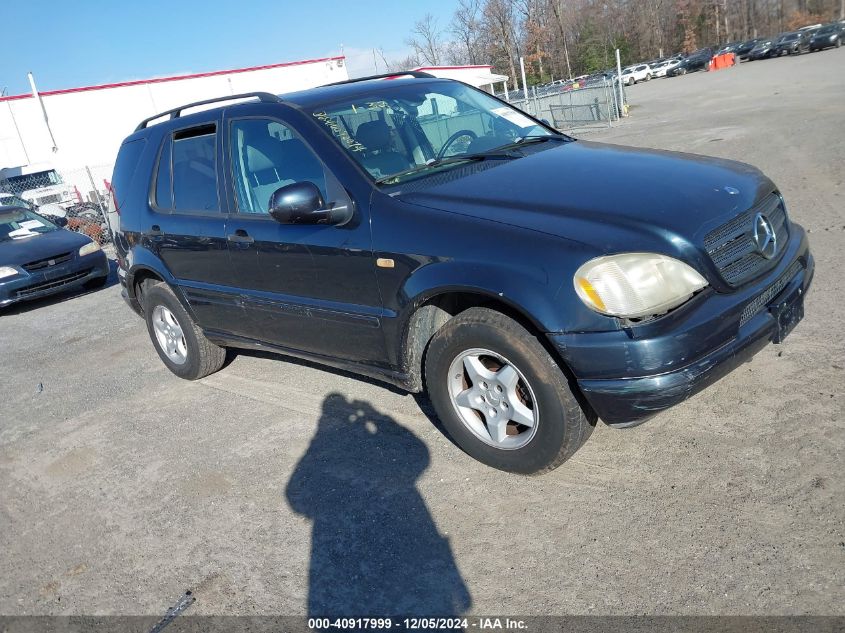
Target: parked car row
811, 38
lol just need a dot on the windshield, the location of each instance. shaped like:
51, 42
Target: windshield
18, 224
789, 38
825, 30
35, 181
408, 128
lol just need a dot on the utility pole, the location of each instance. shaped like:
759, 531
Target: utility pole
17, 129
37, 97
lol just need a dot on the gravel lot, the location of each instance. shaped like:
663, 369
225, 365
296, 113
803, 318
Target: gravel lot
271, 484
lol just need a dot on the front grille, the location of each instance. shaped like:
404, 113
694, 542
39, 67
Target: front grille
732, 247
52, 285
41, 264
760, 301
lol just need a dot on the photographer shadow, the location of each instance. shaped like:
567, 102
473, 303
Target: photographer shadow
375, 549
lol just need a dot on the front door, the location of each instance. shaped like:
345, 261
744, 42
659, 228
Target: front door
310, 288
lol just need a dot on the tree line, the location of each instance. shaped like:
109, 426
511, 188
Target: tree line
567, 38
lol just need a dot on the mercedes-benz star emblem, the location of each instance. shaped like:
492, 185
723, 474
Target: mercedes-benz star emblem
764, 236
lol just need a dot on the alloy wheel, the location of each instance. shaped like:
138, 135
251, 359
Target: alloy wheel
493, 399
169, 334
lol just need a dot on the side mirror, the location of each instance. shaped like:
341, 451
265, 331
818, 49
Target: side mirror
302, 203
62, 222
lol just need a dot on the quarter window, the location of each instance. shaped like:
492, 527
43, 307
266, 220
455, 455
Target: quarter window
164, 185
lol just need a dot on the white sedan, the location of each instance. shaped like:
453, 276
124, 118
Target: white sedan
659, 69
633, 74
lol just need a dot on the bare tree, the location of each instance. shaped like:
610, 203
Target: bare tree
466, 27
427, 41
499, 23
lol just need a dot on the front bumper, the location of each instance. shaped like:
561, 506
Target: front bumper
50, 281
628, 376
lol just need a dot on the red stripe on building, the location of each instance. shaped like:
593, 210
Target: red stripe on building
159, 80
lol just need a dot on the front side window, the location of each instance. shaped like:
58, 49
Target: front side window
266, 156
186, 177
397, 130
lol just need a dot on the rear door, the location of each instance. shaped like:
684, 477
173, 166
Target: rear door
305, 287
187, 226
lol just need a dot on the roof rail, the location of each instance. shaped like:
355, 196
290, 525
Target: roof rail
417, 74
264, 97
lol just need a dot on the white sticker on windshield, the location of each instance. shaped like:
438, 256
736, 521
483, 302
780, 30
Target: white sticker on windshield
517, 118
31, 224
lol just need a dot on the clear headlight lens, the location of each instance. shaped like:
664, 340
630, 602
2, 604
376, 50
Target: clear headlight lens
91, 247
7, 271
633, 285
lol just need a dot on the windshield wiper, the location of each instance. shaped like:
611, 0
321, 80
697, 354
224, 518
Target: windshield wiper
465, 158
497, 152
530, 139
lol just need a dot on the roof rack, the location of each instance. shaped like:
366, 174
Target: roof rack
264, 97
417, 74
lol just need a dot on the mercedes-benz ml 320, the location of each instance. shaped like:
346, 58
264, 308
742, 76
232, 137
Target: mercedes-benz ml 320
426, 233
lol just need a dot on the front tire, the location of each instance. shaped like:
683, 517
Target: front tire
180, 344
500, 395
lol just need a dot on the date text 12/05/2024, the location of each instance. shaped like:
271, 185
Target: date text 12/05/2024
429, 623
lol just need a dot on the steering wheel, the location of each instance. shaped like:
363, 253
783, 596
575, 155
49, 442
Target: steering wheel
454, 138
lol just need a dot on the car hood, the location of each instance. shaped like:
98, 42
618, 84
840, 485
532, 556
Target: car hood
42, 246
603, 195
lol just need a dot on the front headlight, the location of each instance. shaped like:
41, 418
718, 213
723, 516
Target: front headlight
91, 247
633, 285
7, 271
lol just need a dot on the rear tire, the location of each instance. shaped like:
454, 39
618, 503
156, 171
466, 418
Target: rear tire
500, 395
180, 344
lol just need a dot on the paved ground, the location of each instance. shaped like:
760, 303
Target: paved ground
122, 486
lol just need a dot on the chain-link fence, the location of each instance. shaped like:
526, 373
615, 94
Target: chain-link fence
595, 105
77, 195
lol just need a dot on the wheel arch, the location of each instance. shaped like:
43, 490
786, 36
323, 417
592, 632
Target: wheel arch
432, 310
144, 268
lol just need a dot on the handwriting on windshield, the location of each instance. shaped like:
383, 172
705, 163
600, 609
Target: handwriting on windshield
350, 143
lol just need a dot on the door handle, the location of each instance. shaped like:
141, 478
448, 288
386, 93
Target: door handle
240, 237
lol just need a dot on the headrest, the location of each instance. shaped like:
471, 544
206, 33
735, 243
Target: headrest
263, 154
374, 135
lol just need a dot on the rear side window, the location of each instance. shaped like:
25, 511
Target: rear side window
186, 178
125, 167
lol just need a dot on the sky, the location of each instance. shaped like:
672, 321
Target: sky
87, 42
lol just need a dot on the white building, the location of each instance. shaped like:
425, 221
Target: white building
481, 77
89, 123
